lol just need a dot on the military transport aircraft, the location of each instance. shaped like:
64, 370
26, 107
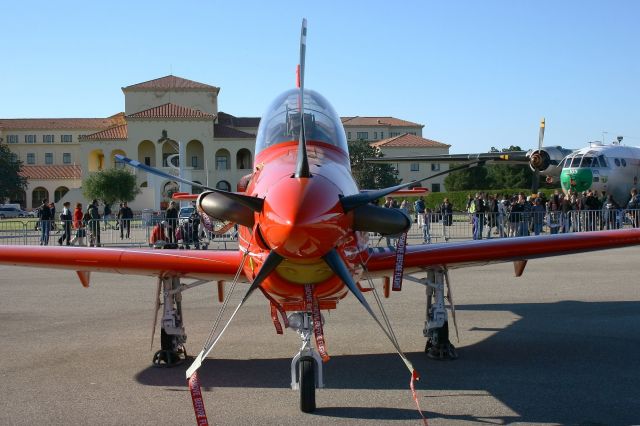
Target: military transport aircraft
303, 242
612, 168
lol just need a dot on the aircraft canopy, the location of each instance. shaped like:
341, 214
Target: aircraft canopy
281, 121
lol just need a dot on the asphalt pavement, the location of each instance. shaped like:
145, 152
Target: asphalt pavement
559, 345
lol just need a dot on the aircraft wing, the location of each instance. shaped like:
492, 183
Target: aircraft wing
200, 264
507, 157
480, 252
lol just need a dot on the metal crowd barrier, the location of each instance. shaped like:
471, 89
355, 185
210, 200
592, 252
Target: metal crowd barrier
461, 226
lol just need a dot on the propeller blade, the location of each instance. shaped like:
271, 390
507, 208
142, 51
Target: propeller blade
302, 165
351, 202
338, 267
270, 264
254, 203
536, 174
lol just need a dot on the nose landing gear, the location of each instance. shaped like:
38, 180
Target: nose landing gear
306, 365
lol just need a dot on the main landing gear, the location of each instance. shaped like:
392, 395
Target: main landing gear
436, 326
172, 334
306, 366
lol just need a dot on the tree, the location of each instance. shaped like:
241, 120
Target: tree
473, 178
10, 180
111, 186
368, 175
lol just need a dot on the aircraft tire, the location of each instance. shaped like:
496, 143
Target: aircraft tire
306, 368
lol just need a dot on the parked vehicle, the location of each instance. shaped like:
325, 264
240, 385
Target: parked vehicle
10, 212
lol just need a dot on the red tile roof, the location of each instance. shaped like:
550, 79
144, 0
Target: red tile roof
51, 172
377, 121
222, 131
170, 110
110, 134
407, 140
171, 82
59, 123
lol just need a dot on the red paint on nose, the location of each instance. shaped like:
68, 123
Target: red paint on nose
303, 218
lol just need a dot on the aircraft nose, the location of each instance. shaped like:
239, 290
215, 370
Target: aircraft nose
303, 217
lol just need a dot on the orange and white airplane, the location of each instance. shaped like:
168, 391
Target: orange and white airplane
303, 241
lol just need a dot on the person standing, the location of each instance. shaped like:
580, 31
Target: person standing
44, 214
125, 214
537, 213
66, 218
106, 216
632, 208
446, 212
78, 225
171, 216
478, 216
94, 223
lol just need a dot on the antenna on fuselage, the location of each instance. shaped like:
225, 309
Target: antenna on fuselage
302, 165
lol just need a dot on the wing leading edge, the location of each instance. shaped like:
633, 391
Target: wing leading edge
200, 264
472, 253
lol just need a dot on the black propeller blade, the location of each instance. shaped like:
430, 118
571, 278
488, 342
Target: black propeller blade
351, 202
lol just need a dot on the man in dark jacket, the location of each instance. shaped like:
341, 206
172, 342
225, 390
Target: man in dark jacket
172, 221
94, 224
125, 215
44, 214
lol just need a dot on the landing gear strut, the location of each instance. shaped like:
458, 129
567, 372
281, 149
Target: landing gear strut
436, 326
306, 365
172, 334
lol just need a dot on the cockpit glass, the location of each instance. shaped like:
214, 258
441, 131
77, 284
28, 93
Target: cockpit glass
281, 121
575, 162
588, 162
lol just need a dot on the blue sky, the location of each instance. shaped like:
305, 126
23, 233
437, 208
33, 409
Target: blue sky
476, 73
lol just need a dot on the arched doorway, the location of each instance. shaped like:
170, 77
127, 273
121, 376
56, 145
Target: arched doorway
147, 153
19, 197
115, 163
59, 193
195, 154
169, 149
243, 159
95, 161
38, 195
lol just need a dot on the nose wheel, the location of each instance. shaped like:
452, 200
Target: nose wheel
306, 365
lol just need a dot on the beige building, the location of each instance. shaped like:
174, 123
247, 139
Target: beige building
408, 145
161, 117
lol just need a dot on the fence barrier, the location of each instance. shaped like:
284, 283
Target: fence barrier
432, 229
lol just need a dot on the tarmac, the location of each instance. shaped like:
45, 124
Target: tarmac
559, 345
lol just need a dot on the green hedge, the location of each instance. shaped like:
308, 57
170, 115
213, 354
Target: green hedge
459, 198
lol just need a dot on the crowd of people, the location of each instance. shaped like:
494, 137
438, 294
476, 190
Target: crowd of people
83, 224
521, 215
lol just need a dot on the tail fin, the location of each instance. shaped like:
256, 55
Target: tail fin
302, 166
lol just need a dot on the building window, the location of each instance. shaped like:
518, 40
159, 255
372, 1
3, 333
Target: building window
47, 138
12, 138
48, 158
381, 135
435, 167
29, 138
66, 138
222, 163
362, 136
194, 161
13, 157
415, 167
375, 135
66, 158
394, 134
147, 161
31, 158
435, 187
412, 133
349, 135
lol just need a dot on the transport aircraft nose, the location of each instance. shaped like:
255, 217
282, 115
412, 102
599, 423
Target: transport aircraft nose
303, 217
